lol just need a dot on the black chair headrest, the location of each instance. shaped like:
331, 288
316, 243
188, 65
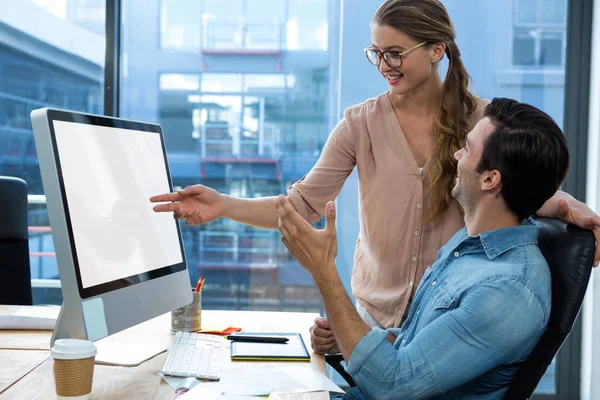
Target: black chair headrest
569, 251
13, 203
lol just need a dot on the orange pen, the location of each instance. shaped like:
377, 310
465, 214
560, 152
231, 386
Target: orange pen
199, 284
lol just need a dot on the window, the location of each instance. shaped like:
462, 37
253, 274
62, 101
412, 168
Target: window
39, 68
179, 25
243, 25
239, 120
307, 26
539, 34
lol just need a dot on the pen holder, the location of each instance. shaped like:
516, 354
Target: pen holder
188, 318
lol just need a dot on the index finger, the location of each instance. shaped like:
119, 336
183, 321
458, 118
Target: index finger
165, 197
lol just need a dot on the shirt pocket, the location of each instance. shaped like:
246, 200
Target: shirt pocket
445, 298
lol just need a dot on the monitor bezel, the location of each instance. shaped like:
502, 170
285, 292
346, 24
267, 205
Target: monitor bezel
90, 119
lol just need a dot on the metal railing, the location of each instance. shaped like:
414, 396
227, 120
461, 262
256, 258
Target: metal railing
217, 141
259, 249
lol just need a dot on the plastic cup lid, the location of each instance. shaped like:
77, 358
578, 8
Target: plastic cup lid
73, 349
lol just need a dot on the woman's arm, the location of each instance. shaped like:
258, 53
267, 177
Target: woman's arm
259, 212
565, 207
200, 204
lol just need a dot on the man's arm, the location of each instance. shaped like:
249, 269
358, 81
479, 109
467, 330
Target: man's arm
348, 327
316, 250
497, 323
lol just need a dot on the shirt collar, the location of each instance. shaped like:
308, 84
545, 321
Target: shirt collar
498, 241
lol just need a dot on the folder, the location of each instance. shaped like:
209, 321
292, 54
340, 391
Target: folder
293, 350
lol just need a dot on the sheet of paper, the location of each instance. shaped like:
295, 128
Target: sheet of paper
175, 381
237, 389
265, 380
202, 393
244, 382
311, 378
30, 318
39, 312
299, 396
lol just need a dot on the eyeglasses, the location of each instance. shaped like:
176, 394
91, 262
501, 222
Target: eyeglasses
392, 58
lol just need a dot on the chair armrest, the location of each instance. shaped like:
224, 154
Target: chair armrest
335, 360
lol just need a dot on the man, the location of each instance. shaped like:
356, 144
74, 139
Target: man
481, 308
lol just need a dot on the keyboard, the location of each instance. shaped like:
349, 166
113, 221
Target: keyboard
195, 354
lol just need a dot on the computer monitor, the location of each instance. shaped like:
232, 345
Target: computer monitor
119, 262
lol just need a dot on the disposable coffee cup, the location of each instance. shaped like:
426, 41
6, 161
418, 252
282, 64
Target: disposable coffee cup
73, 368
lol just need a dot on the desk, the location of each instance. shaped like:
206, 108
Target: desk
141, 382
15, 364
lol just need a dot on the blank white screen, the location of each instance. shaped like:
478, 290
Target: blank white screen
109, 175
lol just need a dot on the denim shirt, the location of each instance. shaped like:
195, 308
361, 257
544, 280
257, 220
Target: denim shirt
478, 312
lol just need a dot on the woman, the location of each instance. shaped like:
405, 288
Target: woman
402, 143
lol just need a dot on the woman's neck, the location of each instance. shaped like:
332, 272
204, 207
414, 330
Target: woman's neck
424, 99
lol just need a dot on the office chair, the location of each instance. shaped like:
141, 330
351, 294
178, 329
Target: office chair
569, 251
15, 285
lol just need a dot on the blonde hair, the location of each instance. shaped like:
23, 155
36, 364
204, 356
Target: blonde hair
428, 21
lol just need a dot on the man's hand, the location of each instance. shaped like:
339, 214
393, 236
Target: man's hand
314, 249
577, 213
321, 337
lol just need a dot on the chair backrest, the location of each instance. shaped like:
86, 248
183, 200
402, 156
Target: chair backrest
15, 275
569, 251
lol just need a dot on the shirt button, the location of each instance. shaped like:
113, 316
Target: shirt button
417, 233
434, 282
411, 284
414, 258
418, 310
419, 205
456, 254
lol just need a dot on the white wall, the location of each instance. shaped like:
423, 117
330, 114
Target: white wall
590, 346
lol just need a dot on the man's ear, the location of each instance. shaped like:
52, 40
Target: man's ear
491, 181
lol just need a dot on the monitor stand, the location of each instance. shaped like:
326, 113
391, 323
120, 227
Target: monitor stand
127, 348
69, 325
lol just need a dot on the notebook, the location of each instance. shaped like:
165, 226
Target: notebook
293, 350
28, 317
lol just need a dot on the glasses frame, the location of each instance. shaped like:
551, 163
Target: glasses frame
382, 54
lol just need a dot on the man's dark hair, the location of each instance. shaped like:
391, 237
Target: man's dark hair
529, 150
